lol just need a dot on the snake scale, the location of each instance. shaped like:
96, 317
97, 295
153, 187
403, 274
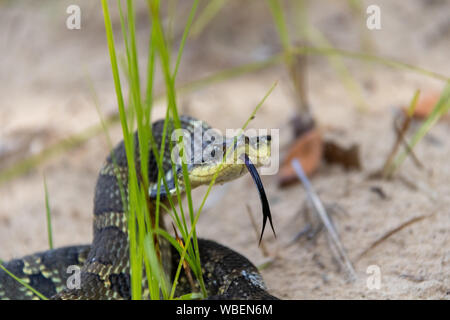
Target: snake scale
105, 269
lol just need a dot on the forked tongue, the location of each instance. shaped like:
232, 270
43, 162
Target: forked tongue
262, 195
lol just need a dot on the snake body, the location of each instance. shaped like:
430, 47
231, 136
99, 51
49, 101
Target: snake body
104, 265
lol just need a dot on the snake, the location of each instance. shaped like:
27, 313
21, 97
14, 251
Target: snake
104, 265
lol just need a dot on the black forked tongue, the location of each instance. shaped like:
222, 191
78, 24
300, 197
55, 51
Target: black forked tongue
262, 195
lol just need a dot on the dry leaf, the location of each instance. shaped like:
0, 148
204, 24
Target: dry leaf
425, 104
346, 157
308, 149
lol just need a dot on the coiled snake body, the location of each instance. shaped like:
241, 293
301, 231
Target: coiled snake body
105, 270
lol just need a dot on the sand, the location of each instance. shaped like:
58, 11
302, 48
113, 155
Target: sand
45, 71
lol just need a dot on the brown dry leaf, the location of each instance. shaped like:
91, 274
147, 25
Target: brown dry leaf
307, 148
425, 104
346, 157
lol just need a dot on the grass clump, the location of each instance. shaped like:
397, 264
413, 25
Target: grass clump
143, 218
441, 108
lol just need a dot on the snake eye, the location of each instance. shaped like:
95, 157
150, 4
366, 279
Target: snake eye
266, 138
262, 139
224, 148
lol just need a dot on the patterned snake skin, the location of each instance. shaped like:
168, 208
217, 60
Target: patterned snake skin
105, 270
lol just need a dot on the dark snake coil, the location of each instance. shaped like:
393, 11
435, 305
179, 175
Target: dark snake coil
105, 270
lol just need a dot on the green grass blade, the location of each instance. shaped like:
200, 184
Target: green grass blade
190, 296
280, 22
26, 285
171, 97
340, 68
365, 57
78, 139
185, 35
135, 255
440, 109
48, 214
197, 215
209, 12
309, 32
155, 266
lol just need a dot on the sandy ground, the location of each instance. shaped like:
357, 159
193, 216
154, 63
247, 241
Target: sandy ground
44, 75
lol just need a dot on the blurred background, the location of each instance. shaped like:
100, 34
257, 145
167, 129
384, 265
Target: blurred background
51, 79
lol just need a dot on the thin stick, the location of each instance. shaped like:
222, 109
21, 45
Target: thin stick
408, 148
391, 232
335, 244
388, 166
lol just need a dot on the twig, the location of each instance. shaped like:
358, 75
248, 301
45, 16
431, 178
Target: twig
408, 148
391, 232
388, 168
439, 110
297, 69
335, 244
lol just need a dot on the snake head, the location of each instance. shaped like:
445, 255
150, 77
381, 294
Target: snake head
226, 159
